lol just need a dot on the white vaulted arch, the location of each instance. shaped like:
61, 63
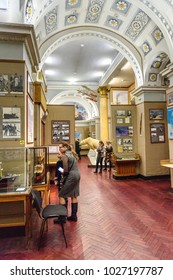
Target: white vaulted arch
120, 44
71, 95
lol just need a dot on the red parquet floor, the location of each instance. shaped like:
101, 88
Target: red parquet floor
130, 219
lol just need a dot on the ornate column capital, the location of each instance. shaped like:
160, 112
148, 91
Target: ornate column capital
103, 90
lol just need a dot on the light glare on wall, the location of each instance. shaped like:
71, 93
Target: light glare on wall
49, 72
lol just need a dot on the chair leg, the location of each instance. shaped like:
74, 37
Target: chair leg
63, 232
41, 233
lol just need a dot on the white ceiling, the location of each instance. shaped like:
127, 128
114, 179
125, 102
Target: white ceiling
138, 31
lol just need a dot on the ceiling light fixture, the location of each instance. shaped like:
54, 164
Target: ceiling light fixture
82, 45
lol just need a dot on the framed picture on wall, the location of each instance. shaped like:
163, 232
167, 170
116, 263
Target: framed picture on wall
170, 122
120, 97
30, 86
157, 132
60, 131
170, 99
30, 120
11, 122
156, 114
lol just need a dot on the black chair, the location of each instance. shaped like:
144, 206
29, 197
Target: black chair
50, 211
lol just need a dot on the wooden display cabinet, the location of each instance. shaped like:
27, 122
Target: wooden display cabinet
126, 166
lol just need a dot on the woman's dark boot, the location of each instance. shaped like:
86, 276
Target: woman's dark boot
73, 217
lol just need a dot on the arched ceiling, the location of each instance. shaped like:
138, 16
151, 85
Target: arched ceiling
103, 30
89, 41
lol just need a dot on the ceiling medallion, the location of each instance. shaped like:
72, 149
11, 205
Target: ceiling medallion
29, 11
72, 2
152, 77
121, 5
71, 19
146, 47
113, 22
158, 35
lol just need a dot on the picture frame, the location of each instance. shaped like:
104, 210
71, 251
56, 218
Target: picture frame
53, 149
30, 120
120, 97
157, 132
16, 84
122, 131
30, 86
170, 122
60, 131
11, 122
156, 114
169, 98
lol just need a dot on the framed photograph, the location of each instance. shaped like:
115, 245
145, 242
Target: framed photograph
11, 122
169, 99
30, 120
170, 122
121, 113
120, 97
4, 84
157, 132
53, 149
60, 131
16, 83
122, 131
30, 86
156, 114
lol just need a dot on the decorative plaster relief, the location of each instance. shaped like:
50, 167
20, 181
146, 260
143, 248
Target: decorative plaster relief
137, 25
51, 20
72, 4
146, 48
152, 77
71, 19
121, 6
160, 16
113, 22
157, 35
29, 11
48, 3
94, 11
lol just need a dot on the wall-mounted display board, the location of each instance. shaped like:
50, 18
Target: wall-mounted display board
10, 123
157, 132
124, 131
60, 131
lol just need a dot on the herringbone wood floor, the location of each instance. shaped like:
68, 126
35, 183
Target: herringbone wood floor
118, 219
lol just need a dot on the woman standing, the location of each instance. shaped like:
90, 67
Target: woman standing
71, 179
100, 156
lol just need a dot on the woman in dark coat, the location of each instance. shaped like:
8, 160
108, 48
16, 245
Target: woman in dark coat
71, 179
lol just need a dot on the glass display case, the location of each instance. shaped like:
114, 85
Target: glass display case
37, 158
14, 175
21, 170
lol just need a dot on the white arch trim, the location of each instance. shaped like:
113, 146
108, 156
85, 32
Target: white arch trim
71, 95
121, 44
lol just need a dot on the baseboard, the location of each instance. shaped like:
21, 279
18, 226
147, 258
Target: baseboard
154, 177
